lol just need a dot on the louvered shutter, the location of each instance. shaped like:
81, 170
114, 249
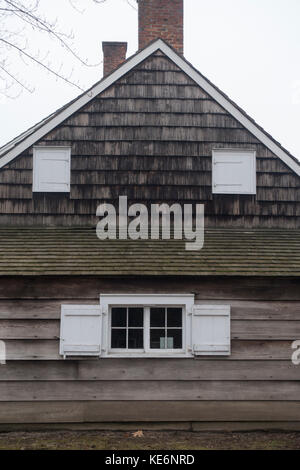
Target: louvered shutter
211, 330
81, 330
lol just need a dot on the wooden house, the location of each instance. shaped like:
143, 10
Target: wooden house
114, 332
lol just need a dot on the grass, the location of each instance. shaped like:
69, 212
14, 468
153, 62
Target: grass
180, 440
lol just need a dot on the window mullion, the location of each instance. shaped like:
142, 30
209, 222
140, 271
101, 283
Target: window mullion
166, 328
147, 329
127, 328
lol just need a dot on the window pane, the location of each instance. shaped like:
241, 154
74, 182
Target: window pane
174, 317
135, 339
157, 339
157, 317
135, 317
118, 317
118, 339
174, 339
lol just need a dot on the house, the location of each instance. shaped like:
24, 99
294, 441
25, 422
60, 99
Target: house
104, 333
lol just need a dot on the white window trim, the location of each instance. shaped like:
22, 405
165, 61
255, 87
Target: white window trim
36, 187
184, 301
215, 153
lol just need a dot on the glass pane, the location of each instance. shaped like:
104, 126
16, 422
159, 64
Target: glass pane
118, 317
118, 339
135, 339
135, 317
174, 317
157, 317
174, 339
157, 339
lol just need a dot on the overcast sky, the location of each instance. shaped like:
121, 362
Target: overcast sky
248, 48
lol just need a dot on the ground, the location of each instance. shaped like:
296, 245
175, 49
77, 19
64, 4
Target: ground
148, 440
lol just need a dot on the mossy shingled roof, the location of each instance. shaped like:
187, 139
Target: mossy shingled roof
78, 251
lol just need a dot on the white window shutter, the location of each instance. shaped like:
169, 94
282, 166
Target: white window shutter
51, 169
81, 330
234, 171
211, 330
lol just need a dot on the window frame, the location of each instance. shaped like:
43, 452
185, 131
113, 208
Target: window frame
110, 327
146, 332
253, 179
37, 186
183, 301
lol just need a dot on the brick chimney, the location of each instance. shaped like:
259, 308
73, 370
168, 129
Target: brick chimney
161, 19
114, 53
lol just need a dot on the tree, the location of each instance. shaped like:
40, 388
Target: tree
16, 18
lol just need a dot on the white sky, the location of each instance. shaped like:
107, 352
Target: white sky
248, 48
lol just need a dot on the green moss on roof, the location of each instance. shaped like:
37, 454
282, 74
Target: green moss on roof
77, 251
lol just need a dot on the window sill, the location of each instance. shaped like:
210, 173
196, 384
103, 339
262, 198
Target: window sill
146, 355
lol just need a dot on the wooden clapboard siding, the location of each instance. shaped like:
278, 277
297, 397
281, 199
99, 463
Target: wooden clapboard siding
257, 375
143, 411
257, 350
207, 289
150, 369
150, 390
150, 136
240, 310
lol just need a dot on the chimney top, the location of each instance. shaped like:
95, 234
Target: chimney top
161, 19
114, 54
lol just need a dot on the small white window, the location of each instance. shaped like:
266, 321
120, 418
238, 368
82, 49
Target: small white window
51, 169
146, 325
234, 171
134, 325
80, 330
146, 329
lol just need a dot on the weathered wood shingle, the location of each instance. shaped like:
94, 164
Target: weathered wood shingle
150, 136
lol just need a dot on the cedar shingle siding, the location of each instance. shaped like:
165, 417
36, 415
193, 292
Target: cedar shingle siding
150, 136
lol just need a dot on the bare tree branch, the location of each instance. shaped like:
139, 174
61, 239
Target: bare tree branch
16, 16
15, 79
41, 64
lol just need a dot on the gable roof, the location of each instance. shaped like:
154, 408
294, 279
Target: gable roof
14, 148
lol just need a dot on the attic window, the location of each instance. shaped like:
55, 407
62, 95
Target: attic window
234, 171
51, 169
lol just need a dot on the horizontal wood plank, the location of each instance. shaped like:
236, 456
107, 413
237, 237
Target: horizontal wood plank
240, 310
150, 369
128, 411
240, 350
206, 289
149, 390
